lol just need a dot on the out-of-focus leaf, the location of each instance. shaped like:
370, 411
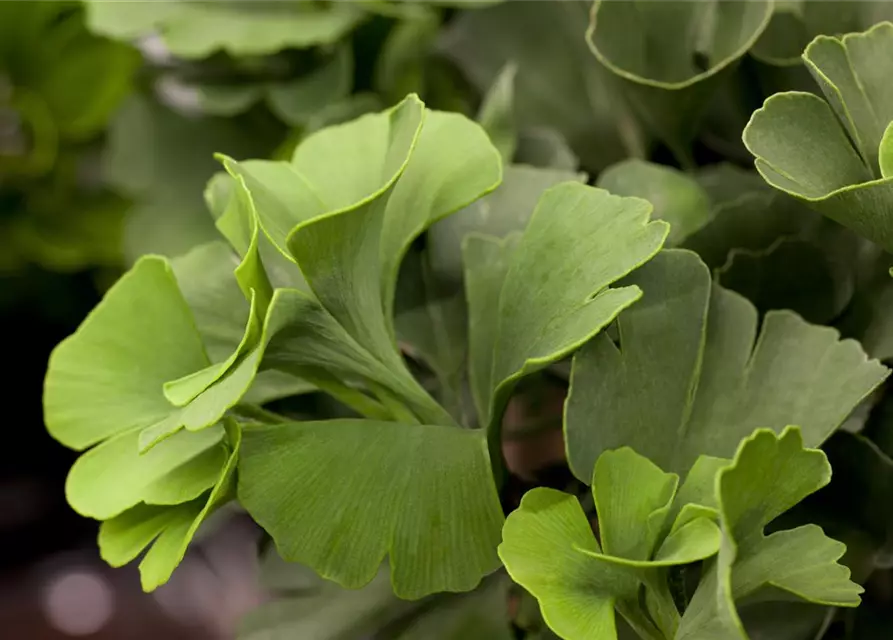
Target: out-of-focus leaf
497, 113
163, 160
400, 68
709, 381
795, 24
675, 196
557, 84
239, 27
671, 56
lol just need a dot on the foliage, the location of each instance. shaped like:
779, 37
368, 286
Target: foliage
547, 403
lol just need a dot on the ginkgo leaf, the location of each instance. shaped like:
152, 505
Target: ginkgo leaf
114, 475
670, 57
505, 210
198, 29
206, 280
422, 495
108, 377
549, 548
547, 307
556, 85
168, 529
359, 194
689, 376
836, 177
770, 474
676, 197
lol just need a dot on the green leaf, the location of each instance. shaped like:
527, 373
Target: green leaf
114, 475
670, 57
689, 376
794, 24
676, 197
423, 495
206, 280
506, 210
779, 254
367, 189
556, 293
241, 28
827, 172
497, 113
107, 377
401, 65
169, 530
81, 77
298, 102
432, 327
557, 84
549, 548
770, 474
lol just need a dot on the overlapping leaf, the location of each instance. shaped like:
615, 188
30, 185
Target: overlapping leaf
358, 195
689, 376
535, 299
669, 57
549, 548
769, 475
841, 179
168, 529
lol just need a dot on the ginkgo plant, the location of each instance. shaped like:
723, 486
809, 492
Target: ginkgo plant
389, 314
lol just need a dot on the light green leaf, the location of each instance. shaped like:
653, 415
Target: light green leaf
198, 29
500, 213
556, 292
423, 495
549, 548
690, 377
675, 196
827, 172
885, 152
557, 84
367, 190
670, 57
107, 377
114, 475
497, 113
168, 529
770, 474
